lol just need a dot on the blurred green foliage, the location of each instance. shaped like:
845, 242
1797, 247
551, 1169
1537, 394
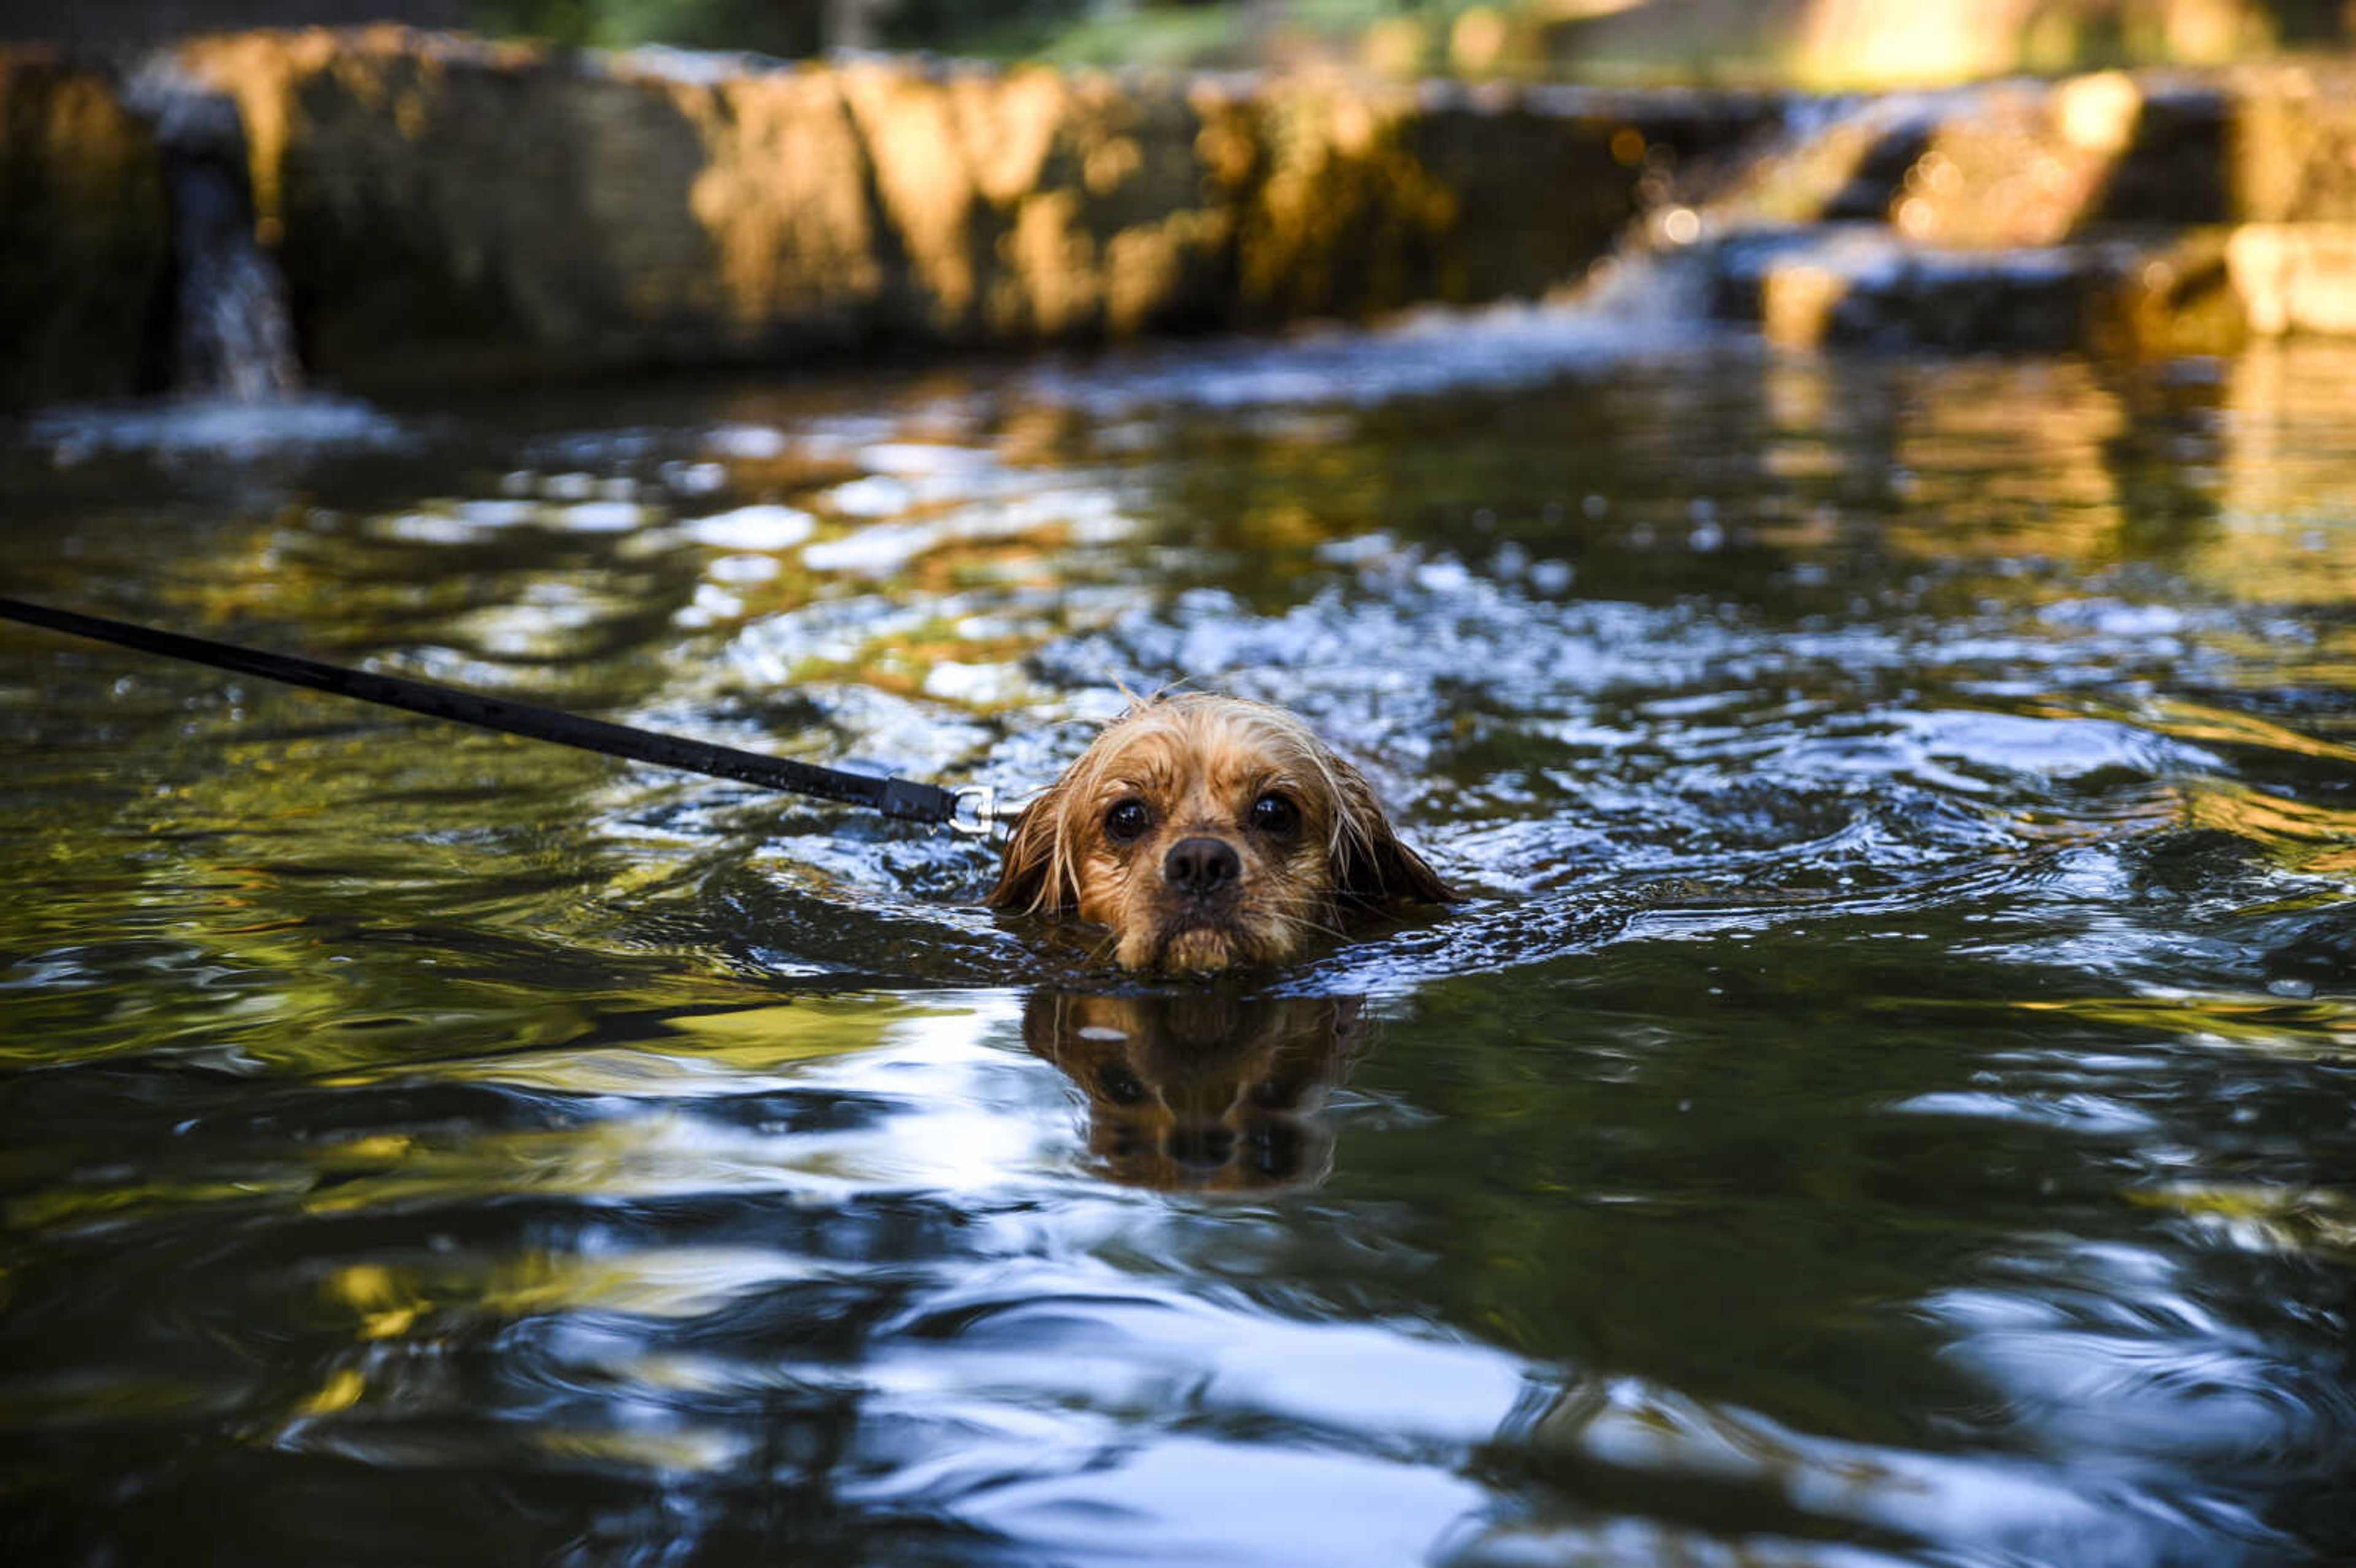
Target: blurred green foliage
1859, 42
773, 27
776, 27
1069, 31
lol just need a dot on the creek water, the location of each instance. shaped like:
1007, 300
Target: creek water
1886, 1099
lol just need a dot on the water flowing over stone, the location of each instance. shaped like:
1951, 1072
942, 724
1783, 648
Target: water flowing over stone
2129, 213
232, 334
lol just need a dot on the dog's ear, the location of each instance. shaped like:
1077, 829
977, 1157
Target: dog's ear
1384, 871
1033, 878
1373, 867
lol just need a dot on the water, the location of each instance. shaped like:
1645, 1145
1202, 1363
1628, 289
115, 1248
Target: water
1887, 1100
232, 334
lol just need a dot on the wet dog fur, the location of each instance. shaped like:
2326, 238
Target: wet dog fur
1207, 833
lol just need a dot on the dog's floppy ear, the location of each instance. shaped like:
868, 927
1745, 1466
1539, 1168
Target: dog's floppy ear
1033, 878
1372, 866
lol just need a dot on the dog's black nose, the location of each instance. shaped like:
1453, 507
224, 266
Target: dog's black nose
1201, 866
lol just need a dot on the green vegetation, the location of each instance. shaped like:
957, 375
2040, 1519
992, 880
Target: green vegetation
1824, 42
773, 27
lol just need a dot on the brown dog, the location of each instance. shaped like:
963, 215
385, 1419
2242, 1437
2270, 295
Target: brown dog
1209, 832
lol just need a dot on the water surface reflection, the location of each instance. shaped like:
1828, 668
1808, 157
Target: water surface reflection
1886, 1100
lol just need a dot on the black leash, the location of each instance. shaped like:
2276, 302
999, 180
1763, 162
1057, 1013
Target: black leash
969, 810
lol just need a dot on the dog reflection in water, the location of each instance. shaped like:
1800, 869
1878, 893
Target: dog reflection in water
1202, 1092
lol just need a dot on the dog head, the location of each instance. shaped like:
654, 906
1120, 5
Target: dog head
1203, 1091
1207, 833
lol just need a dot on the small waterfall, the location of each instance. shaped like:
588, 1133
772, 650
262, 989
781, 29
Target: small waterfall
1826, 174
233, 336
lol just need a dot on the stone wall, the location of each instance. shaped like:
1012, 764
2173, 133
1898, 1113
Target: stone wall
84, 236
440, 204
445, 206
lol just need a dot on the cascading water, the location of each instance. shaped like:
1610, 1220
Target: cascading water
232, 335
236, 380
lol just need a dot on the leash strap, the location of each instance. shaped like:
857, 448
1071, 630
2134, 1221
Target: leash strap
893, 796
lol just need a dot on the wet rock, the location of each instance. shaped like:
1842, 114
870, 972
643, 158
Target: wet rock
2295, 277
1862, 285
2293, 143
85, 235
2151, 293
2170, 295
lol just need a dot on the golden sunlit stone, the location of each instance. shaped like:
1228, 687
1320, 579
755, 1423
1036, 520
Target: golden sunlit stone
2098, 112
780, 196
1796, 304
2295, 277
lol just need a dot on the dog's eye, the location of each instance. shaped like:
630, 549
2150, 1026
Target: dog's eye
1126, 820
1274, 814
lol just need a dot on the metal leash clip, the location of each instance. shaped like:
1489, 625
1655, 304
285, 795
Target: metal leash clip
978, 812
